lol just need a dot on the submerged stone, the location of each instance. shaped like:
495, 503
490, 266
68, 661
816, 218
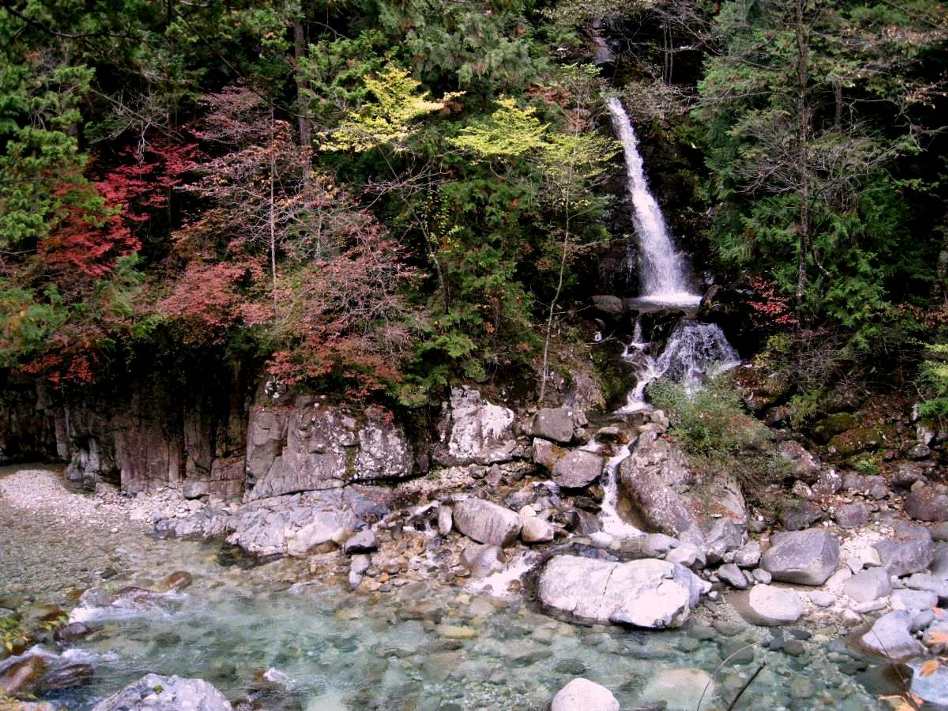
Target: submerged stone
583, 695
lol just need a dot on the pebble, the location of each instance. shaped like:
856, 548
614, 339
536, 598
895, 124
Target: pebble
801, 688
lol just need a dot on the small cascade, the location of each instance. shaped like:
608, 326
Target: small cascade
612, 523
694, 352
498, 584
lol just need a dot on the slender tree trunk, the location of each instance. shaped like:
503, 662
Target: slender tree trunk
303, 121
549, 319
272, 206
559, 287
803, 132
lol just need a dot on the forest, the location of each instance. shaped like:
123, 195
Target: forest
462, 355
385, 198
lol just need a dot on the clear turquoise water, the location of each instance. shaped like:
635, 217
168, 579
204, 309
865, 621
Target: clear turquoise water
415, 648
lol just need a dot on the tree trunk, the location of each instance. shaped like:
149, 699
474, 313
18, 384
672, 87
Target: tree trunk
303, 121
803, 133
272, 209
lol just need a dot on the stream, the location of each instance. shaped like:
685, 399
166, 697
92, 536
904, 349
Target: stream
316, 646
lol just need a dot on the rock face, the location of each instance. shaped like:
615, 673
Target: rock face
583, 695
536, 530
910, 550
804, 557
668, 497
475, 431
891, 637
577, 469
852, 515
803, 464
769, 606
733, 576
166, 693
298, 524
309, 445
930, 687
646, 593
486, 522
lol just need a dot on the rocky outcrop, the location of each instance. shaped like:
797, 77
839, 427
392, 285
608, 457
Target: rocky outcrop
669, 497
297, 525
558, 424
30, 428
803, 464
144, 435
309, 444
803, 557
927, 503
583, 695
909, 550
868, 585
647, 593
474, 431
165, 693
577, 469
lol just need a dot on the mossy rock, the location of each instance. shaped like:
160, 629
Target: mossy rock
863, 439
832, 425
761, 389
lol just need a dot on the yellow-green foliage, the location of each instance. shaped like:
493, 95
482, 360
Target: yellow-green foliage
390, 119
509, 132
717, 434
935, 382
12, 633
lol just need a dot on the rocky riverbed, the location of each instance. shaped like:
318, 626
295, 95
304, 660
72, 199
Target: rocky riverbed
276, 636
543, 559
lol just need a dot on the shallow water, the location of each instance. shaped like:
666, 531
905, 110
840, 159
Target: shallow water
414, 648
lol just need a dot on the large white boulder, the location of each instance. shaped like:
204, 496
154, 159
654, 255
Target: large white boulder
165, 693
769, 606
646, 593
486, 522
805, 557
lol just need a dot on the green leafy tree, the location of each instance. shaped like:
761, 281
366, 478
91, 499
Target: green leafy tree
571, 163
800, 174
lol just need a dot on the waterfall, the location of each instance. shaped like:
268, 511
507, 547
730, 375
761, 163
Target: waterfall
663, 278
694, 352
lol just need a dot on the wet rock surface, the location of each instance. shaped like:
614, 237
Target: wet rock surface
166, 693
584, 695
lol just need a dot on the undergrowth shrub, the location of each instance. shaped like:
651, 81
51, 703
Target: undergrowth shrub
718, 435
934, 383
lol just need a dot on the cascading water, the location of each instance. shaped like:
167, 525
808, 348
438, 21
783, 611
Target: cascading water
663, 278
693, 352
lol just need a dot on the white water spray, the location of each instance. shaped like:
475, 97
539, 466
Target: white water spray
612, 523
694, 353
663, 273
